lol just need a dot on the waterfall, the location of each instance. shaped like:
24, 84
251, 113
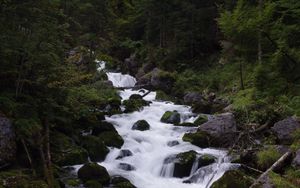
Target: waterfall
150, 149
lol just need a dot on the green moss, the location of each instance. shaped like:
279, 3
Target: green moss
266, 157
95, 147
93, 171
65, 152
124, 185
132, 105
199, 138
141, 125
280, 182
111, 138
73, 182
93, 184
171, 117
201, 119
160, 95
187, 157
233, 179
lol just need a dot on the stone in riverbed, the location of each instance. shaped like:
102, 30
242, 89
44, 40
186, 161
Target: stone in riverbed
141, 125
132, 105
95, 147
111, 138
173, 143
296, 160
103, 127
200, 120
171, 117
124, 153
120, 182
284, 129
187, 124
126, 167
199, 138
93, 171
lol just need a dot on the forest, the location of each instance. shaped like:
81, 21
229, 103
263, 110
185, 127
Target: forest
222, 78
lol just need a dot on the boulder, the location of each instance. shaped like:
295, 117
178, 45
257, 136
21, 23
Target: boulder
103, 127
233, 178
111, 138
184, 162
131, 64
93, 171
135, 97
162, 80
171, 117
199, 138
124, 153
296, 160
192, 98
284, 129
120, 182
141, 125
95, 147
7, 142
132, 105
222, 130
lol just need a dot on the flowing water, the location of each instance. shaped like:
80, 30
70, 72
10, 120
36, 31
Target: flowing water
151, 148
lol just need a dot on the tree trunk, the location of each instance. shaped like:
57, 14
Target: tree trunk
259, 47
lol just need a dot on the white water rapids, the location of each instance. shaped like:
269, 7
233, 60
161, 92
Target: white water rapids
150, 148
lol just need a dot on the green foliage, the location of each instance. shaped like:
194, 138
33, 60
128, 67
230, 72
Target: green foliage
280, 182
266, 157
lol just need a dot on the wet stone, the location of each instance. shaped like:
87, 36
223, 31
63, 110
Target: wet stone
124, 153
126, 167
173, 143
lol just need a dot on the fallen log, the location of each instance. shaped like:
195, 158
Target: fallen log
134, 87
278, 164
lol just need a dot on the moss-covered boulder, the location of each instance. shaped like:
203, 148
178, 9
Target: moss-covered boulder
184, 163
120, 182
141, 125
201, 119
171, 117
199, 138
135, 97
95, 147
233, 178
103, 127
93, 171
111, 138
65, 152
205, 160
93, 184
132, 105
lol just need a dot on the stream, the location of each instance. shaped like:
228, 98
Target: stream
150, 149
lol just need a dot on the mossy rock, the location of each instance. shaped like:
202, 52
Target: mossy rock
120, 182
233, 178
199, 138
141, 125
184, 163
201, 119
111, 138
206, 160
93, 171
103, 127
187, 124
171, 117
95, 147
93, 184
132, 105
135, 97
162, 96
65, 152
72, 182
